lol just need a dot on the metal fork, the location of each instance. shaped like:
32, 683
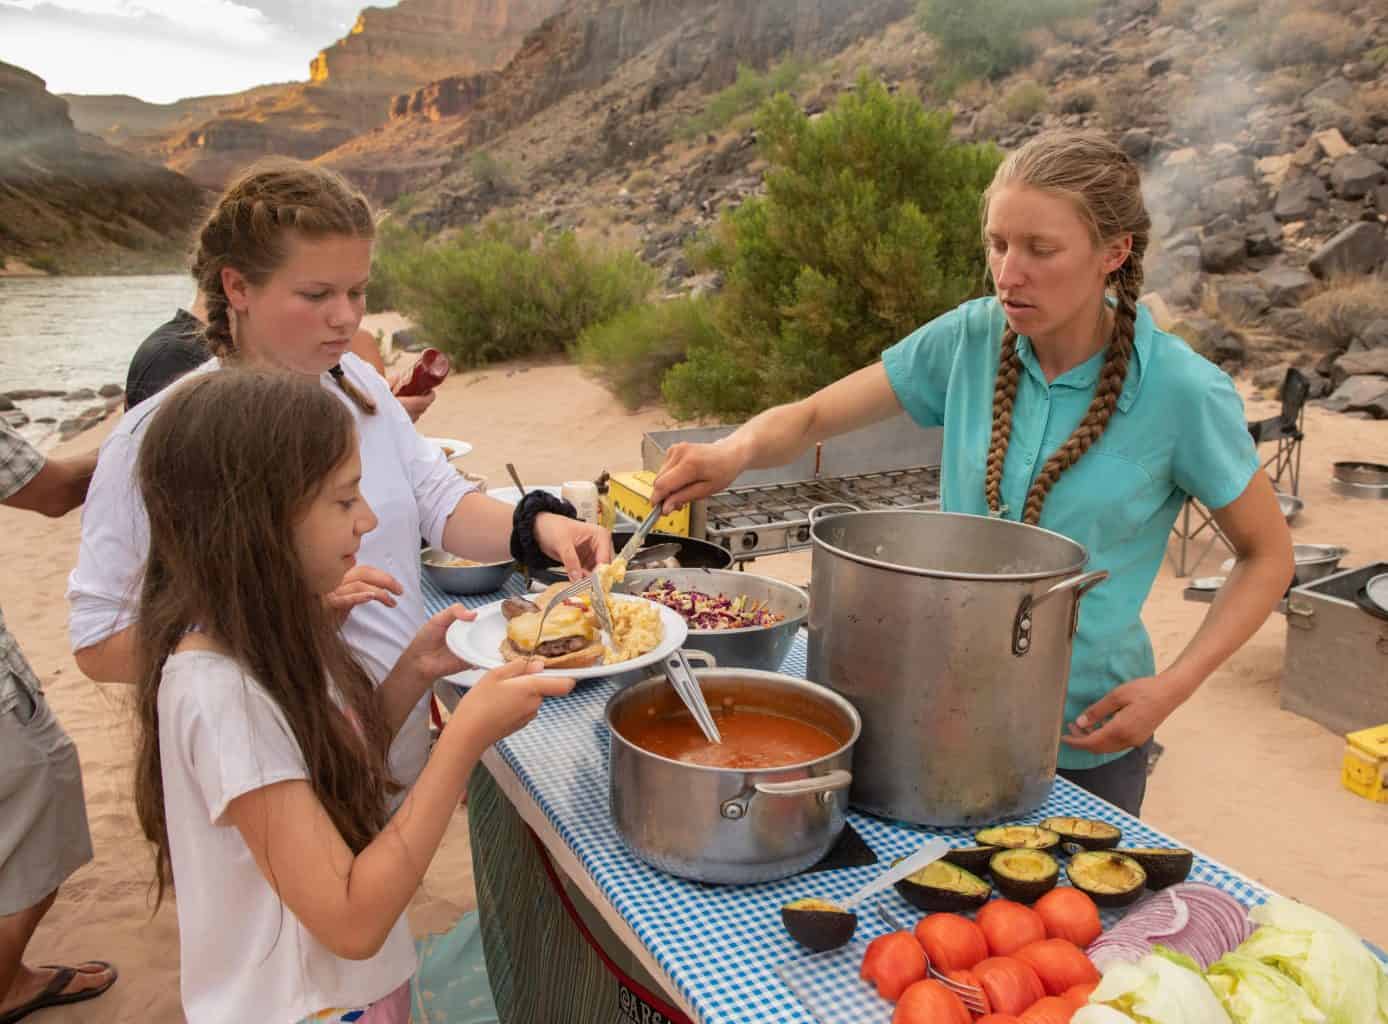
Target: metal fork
971, 996
572, 590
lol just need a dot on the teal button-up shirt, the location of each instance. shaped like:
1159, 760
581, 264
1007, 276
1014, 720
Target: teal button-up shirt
1179, 429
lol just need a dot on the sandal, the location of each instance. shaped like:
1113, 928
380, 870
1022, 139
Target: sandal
53, 994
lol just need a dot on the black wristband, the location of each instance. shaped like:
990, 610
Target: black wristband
524, 549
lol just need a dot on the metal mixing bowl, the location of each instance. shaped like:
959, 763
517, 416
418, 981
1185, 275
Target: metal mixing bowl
757, 647
1314, 561
1290, 505
463, 579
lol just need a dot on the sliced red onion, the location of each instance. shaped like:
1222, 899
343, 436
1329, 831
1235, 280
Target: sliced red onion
1192, 918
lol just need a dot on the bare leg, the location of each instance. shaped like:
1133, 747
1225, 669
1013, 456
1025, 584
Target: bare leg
18, 983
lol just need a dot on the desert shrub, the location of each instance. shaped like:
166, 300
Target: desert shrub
45, 262
1302, 37
1287, 85
507, 289
990, 38
869, 228
750, 90
641, 180
1346, 306
487, 170
632, 352
1024, 100
1378, 56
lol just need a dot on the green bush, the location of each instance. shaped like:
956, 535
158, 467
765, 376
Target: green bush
45, 262
632, 352
988, 38
868, 229
1024, 101
507, 289
488, 170
751, 89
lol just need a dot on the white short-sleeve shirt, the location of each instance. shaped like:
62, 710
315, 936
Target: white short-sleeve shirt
406, 480
244, 956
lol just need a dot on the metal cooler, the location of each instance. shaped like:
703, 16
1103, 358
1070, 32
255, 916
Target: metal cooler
1336, 668
893, 464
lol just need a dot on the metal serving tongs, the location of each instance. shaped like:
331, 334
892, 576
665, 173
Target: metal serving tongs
634, 545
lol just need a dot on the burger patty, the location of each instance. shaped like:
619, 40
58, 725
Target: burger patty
558, 648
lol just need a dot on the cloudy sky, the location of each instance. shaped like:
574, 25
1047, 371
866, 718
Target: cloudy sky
163, 50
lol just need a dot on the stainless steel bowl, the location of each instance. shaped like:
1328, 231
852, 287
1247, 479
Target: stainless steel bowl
1290, 505
755, 647
463, 579
1314, 561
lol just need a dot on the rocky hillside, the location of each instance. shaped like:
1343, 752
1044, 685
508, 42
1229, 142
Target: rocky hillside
597, 85
352, 87
69, 202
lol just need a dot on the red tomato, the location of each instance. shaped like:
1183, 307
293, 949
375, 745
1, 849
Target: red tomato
1011, 986
1009, 926
1070, 915
1078, 995
929, 1002
1058, 964
999, 1018
893, 962
1051, 1010
969, 978
952, 942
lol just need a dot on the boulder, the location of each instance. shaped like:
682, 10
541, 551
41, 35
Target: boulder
1356, 364
1210, 338
1353, 176
1136, 142
1296, 324
1287, 286
1330, 141
1335, 90
1185, 290
1358, 249
110, 391
1380, 195
29, 394
5, 404
1222, 253
1159, 310
1158, 66
1365, 393
1375, 335
1263, 235
1270, 376
80, 395
1241, 301
1299, 198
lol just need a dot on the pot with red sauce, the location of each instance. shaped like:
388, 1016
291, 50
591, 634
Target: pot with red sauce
767, 802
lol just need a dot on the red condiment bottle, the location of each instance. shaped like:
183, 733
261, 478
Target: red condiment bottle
427, 374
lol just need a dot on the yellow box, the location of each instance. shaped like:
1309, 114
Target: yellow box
1365, 768
631, 494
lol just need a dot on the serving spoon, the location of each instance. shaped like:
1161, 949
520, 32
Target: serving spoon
824, 924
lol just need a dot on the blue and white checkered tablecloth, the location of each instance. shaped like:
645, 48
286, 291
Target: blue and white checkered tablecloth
724, 946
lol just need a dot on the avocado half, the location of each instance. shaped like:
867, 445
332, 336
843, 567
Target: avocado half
1087, 832
1111, 879
1164, 865
818, 924
1024, 875
942, 886
1018, 837
973, 859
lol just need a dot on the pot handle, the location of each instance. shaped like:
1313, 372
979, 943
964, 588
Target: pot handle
823, 786
705, 659
1079, 585
819, 511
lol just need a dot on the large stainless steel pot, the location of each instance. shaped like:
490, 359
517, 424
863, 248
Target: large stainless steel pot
723, 825
951, 635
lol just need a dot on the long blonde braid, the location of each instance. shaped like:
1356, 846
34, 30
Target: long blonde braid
1104, 184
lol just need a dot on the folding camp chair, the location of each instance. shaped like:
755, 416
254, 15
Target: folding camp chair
1196, 523
1286, 430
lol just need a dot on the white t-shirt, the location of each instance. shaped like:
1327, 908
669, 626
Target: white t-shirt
244, 955
406, 480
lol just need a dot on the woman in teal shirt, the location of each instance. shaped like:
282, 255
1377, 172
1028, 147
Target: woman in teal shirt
1065, 407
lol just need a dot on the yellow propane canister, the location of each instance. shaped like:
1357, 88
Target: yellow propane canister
1365, 768
631, 495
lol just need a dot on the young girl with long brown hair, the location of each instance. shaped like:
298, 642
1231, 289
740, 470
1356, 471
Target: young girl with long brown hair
261, 775
1063, 405
282, 262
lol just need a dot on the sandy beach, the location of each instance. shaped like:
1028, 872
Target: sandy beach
1241, 780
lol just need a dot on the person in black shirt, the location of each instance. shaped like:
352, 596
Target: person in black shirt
167, 354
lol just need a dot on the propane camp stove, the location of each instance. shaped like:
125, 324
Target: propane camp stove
891, 465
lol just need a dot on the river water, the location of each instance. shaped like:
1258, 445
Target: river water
64, 333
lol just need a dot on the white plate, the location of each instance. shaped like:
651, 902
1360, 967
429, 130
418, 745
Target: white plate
460, 448
511, 495
479, 642
1377, 590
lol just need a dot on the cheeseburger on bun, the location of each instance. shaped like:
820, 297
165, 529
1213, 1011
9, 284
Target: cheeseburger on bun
569, 639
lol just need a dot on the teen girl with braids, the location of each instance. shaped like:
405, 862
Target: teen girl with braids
1064, 406
282, 263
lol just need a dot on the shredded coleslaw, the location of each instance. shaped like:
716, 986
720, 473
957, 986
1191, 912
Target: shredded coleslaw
712, 611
